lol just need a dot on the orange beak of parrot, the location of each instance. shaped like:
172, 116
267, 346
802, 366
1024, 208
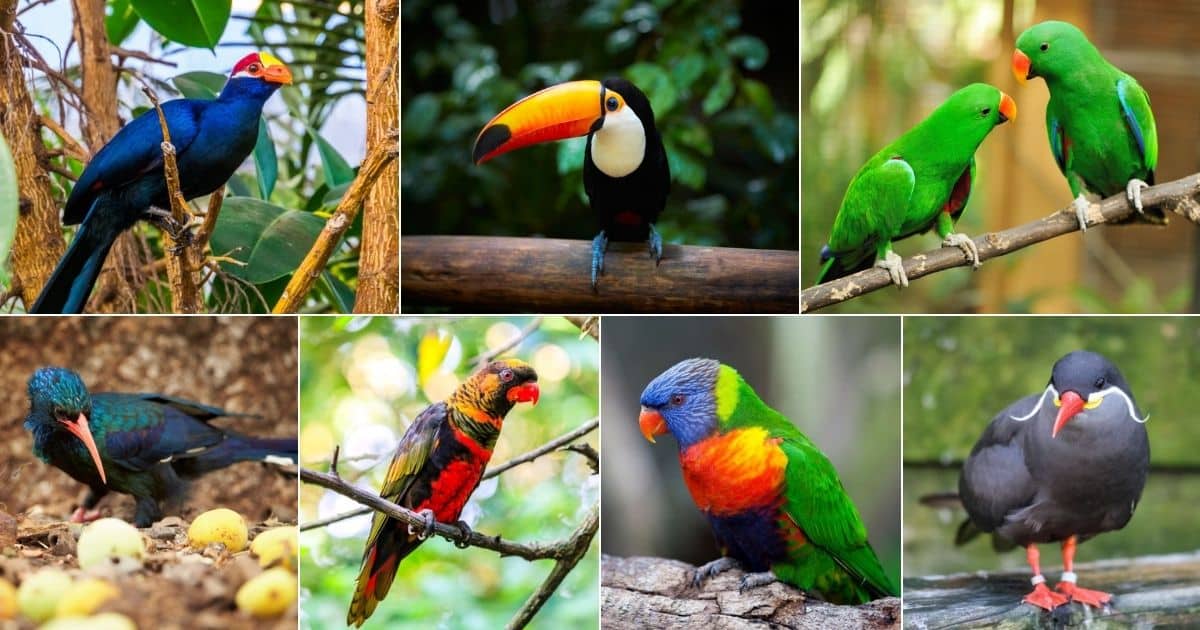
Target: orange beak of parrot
79, 428
652, 424
1071, 404
566, 110
1020, 66
1008, 108
527, 392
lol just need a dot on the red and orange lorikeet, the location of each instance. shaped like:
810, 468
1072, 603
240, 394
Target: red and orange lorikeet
774, 501
437, 465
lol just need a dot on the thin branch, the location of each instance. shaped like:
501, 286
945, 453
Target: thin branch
529, 329
580, 541
1179, 196
210, 221
587, 324
125, 53
70, 145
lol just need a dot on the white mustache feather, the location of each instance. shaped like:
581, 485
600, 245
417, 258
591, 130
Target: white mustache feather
1093, 397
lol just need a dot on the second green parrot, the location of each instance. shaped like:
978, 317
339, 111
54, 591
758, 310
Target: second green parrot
921, 181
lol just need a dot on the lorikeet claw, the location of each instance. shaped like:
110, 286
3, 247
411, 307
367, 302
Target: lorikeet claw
894, 265
966, 244
426, 528
709, 569
599, 246
1085, 596
754, 580
655, 243
1081, 205
1133, 191
84, 516
1044, 598
467, 531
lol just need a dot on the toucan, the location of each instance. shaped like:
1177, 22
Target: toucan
625, 171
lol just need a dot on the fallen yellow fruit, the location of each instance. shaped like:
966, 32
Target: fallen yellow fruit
220, 525
8, 600
277, 545
268, 594
40, 592
84, 597
109, 538
103, 621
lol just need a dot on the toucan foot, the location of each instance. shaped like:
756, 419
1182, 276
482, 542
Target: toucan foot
1081, 205
709, 569
655, 243
466, 534
894, 265
84, 516
966, 244
599, 247
426, 529
1044, 598
1133, 192
1085, 596
754, 580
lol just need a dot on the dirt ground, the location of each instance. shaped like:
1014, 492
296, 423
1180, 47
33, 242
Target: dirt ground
243, 364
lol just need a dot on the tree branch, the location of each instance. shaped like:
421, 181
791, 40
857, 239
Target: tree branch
587, 324
1179, 196
529, 328
551, 275
578, 545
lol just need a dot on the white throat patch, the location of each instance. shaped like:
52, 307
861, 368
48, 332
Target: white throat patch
619, 146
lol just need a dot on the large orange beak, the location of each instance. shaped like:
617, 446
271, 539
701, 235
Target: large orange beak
527, 392
278, 74
1008, 108
1020, 66
1071, 404
79, 428
652, 424
566, 110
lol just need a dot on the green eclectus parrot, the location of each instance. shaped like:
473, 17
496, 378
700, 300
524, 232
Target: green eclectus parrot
919, 182
774, 501
1099, 121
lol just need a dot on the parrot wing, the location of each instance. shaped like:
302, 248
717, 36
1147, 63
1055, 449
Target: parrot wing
1135, 108
1058, 140
872, 211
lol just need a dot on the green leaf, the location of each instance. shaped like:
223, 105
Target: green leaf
687, 69
420, 117
759, 96
718, 97
199, 84
197, 23
9, 206
570, 155
686, 168
657, 85
337, 170
271, 240
751, 50
120, 21
340, 294
265, 160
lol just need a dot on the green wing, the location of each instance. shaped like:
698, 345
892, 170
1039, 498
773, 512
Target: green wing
1135, 107
872, 213
411, 455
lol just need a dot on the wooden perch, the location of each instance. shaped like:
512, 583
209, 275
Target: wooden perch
485, 274
640, 593
1179, 196
1148, 592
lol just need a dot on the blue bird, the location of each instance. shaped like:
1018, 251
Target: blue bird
145, 445
125, 182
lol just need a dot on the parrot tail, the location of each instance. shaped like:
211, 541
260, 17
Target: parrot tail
238, 448
834, 267
380, 561
69, 286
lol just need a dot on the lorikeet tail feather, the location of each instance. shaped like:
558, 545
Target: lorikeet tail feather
239, 448
380, 562
69, 286
834, 268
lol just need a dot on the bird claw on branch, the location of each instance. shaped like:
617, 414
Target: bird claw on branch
894, 265
1133, 191
966, 244
709, 569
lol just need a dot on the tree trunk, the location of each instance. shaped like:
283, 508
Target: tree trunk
38, 243
99, 121
379, 265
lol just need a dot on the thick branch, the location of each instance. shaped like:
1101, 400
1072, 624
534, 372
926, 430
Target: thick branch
657, 593
1179, 196
552, 275
376, 162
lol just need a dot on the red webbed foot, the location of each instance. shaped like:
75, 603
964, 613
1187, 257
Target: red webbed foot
1085, 596
1043, 597
84, 516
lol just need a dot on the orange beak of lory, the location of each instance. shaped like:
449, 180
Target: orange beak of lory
652, 424
79, 428
1008, 108
1070, 404
526, 392
1020, 66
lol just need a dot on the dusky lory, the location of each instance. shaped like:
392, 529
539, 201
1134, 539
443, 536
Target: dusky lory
1101, 129
144, 445
1059, 466
125, 181
437, 465
774, 501
921, 181
625, 171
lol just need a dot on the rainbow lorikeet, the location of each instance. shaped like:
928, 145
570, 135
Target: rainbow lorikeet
774, 501
1099, 121
139, 444
438, 464
125, 183
920, 181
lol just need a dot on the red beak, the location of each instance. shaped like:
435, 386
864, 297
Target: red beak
1020, 66
79, 428
652, 424
527, 392
1072, 404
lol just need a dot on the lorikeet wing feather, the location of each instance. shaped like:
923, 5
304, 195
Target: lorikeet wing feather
871, 216
1135, 108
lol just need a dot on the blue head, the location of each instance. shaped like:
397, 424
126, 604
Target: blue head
255, 78
59, 401
682, 400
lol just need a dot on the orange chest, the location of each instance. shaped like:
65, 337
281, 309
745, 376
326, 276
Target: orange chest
734, 472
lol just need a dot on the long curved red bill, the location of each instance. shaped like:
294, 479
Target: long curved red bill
79, 428
1072, 403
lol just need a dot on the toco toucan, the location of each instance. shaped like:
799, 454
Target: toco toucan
625, 171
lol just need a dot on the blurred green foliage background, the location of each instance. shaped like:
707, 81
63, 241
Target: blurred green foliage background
959, 372
721, 77
362, 381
